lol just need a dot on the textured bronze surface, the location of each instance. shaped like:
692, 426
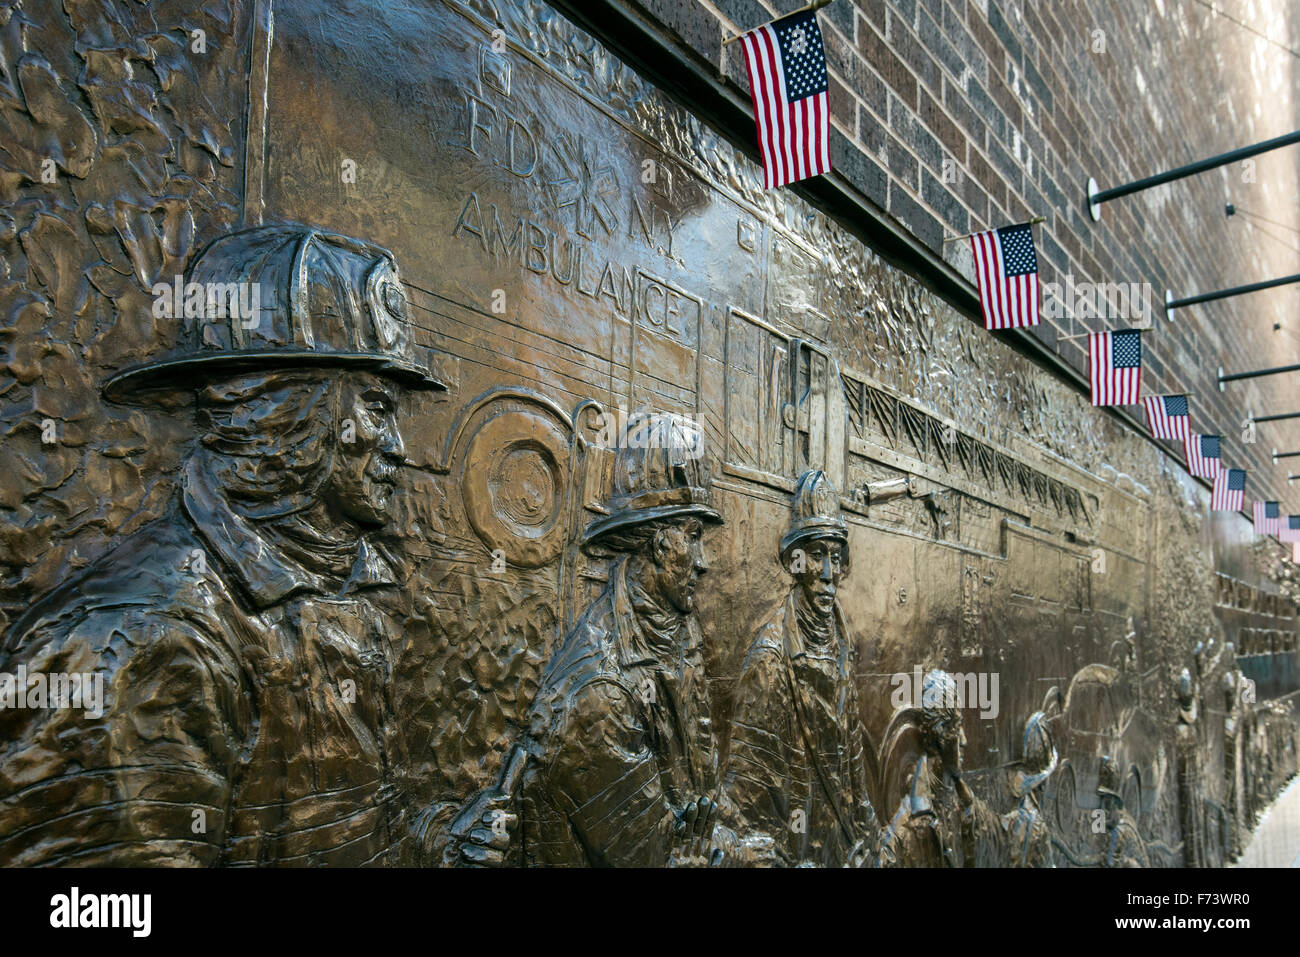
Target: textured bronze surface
535, 549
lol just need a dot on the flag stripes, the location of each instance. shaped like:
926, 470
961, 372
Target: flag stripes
1115, 366
1167, 416
1267, 517
1229, 490
1203, 455
787, 81
1006, 274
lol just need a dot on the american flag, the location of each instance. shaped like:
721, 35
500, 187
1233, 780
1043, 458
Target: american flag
1203, 455
1290, 530
1229, 490
1268, 519
1115, 366
787, 78
1167, 416
1295, 552
1006, 272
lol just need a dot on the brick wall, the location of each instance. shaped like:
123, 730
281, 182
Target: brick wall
959, 115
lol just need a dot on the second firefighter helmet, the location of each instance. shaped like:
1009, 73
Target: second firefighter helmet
658, 474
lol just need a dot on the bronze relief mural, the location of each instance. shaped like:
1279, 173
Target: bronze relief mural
639, 517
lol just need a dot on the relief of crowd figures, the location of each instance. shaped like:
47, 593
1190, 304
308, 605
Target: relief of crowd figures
248, 644
371, 574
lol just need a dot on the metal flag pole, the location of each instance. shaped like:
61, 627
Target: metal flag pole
1171, 303
1283, 455
1033, 222
1084, 335
1254, 373
815, 5
1231, 209
1275, 418
1098, 196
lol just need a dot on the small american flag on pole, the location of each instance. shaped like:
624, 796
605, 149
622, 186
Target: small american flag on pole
1290, 530
788, 81
1203, 458
1229, 490
1268, 519
1167, 416
1115, 366
1006, 272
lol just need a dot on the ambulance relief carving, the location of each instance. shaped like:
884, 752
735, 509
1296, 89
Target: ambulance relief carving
783, 416
1264, 623
887, 430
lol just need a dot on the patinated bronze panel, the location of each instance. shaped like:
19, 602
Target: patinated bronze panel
555, 495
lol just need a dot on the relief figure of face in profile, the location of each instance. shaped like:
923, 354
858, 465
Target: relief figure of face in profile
255, 615
370, 452
679, 561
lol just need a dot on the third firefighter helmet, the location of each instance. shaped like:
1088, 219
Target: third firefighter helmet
815, 513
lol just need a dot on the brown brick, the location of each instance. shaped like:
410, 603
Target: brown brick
874, 12
984, 174
933, 116
1054, 137
844, 57
973, 194
887, 64
967, 119
1019, 210
900, 161
1008, 103
844, 107
909, 49
984, 36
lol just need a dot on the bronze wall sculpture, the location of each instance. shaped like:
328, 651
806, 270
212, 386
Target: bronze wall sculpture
247, 714
558, 635
798, 768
